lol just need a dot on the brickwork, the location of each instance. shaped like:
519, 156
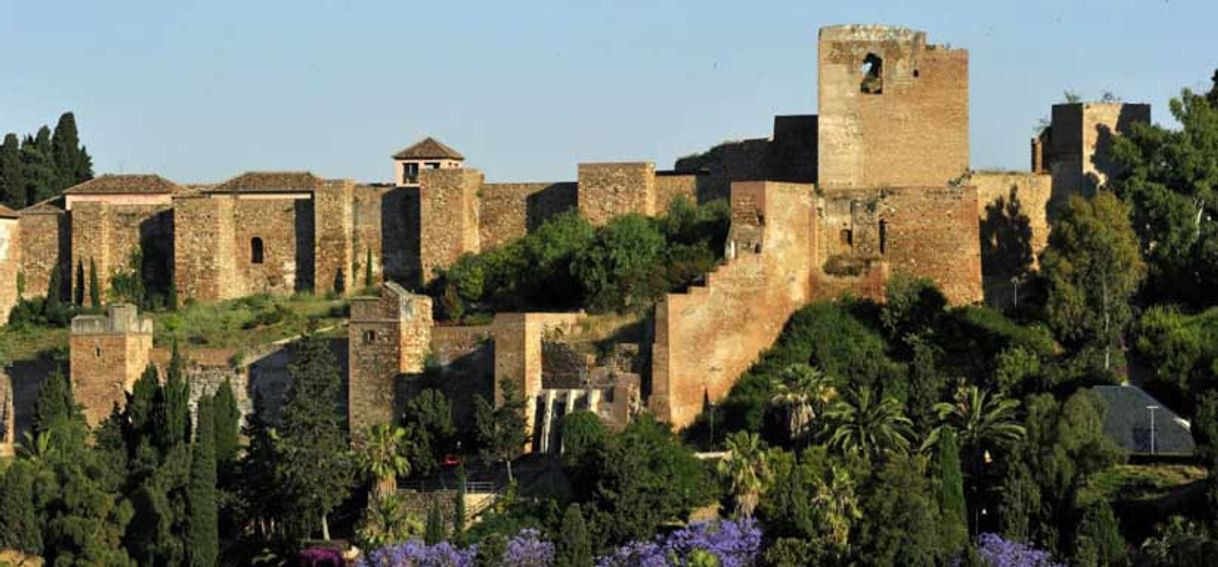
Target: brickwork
705, 338
1074, 149
912, 131
388, 336
1014, 208
607, 190
109, 232
507, 211
448, 200
518, 352
203, 249
10, 264
367, 226
107, 354
332, 246
45, 246
671, 184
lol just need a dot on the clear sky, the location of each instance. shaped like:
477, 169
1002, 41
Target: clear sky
203, 90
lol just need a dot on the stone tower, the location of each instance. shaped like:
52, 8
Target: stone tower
389, 335
893, 109
107, 354
1074, 149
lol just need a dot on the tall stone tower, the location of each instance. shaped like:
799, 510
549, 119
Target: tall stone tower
893, 109
389, 335
107, 354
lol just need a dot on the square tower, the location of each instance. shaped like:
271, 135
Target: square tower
1075, 148
893, 110
107, 354
388, 335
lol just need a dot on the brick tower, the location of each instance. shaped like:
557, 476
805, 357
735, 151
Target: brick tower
107, 354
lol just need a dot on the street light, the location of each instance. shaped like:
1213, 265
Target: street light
1152, 427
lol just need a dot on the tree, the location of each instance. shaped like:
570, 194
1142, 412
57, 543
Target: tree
459, 513
428, 420
258, 488
227, 423
801, 391
78, 291
746, 470
381, 456
38, 166
501, 431
952, 508
315, 466
174, 429
433, 533
983, 419
1093, 267
18, 516
204, 526
368, 268
12, 176
72, 163
858, 423
1098, 541
618, 270
900, 518
94, 287
1168, 177
574, 549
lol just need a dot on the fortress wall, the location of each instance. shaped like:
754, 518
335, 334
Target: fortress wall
385, 220
285, 225
367, 226
389, 335
510, 210
670, 185
10, 265
203, 249
110, 232
607, 190
518, 353
45, 246
706, 338
332, 233
914, 131
932, 232
449, 208
1004, 200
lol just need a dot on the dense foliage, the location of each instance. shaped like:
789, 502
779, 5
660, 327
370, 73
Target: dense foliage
41, 165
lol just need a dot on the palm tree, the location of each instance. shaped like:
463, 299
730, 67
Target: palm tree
801, 391
382, 456
747, 470
981, 419
839, 504
859, 423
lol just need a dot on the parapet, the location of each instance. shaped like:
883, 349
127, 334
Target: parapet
870, 32
122, 318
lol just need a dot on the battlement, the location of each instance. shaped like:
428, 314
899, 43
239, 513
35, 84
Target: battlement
106, 355
122, 319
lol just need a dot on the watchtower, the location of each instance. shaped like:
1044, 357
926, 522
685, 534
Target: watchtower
107, 355
389, 335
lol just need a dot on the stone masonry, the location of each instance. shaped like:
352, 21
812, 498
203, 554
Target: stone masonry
388, 336
107, 354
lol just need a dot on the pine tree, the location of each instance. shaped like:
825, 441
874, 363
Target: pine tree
574, 548
315, 461
12, 177
18, 518
952, 505
78, 291
227, 424
204, 527
94, 287
433, 532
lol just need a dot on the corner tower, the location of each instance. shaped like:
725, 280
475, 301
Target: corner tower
388, 335
107, 354
893, 110
428, 153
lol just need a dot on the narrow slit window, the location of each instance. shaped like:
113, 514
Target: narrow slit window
873, 74
883, 236
256, 250
846, 237
369, 337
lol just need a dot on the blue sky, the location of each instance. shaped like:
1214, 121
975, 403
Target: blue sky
203, 90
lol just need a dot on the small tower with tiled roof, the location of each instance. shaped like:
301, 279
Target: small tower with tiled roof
426, 154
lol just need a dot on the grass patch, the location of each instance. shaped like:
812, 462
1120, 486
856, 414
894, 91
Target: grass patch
1141, 482
29, 342
254, 320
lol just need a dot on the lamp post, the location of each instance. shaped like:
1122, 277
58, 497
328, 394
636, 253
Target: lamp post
1152, 427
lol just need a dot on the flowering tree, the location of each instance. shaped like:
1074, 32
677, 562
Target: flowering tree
999, 552
415, 553
527, 549
732, 543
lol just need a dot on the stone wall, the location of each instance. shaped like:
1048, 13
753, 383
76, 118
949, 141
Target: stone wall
203, 249
1014, 208
518, 352
673, 184
106, 355
448, 200
388, 336
45, 243
508, 211
1076, 145
911, 129
10, 264
705, 338
108, 233
284, 223
332, 234
607, 190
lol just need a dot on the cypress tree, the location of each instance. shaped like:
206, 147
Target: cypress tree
459, 507
55, 402
433, 532
12, 177
94, 288
952, 505
38, 166
204, 529
368, 268
53, 290
18, 518
65, 151
227, 424
176, 429
78, 292
574, 548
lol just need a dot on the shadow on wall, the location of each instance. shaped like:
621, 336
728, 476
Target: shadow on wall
554, 199
27, 378
1006, 249
156, 254
460, 379
400, 237
303, 220
270, 378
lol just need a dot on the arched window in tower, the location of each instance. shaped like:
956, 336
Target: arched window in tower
883, 236
873, 74
256, 250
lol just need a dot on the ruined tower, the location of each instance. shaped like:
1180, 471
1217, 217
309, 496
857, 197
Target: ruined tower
1075, 148
893, 109
389, 335
107, 355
